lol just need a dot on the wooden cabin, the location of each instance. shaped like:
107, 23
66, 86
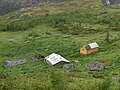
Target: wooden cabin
89, 48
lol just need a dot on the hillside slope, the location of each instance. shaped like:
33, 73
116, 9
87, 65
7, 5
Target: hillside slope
29, 2
61, 28
7, 6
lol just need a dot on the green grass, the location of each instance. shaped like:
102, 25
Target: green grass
44, 34
14, 45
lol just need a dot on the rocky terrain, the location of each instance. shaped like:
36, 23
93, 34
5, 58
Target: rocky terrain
29, 2
7, 6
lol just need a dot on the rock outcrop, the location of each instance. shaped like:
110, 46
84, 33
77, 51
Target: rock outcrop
95, 66
7, 6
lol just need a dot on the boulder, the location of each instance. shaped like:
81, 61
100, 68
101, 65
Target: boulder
69, 67
116, 79
96, 66
14, 62
38, 56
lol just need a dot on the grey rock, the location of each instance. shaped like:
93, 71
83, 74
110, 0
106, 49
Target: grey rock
116, 79
7, 6
38, 56
96, 66
69, 67
14, 62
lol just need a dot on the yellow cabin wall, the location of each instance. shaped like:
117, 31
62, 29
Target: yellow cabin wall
84, 51
92, 50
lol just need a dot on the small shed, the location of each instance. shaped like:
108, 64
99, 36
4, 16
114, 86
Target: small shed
54, 59
89, 48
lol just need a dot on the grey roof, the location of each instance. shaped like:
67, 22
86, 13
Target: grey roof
91, 46
87, 47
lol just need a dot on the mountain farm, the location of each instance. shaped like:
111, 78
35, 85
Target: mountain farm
35, 40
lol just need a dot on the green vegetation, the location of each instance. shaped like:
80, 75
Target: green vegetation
78, 23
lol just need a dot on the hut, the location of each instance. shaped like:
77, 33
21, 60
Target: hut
54, 59
89, 48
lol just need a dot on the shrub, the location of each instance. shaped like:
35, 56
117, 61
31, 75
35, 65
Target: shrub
57, 80
105, 85
31, 36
